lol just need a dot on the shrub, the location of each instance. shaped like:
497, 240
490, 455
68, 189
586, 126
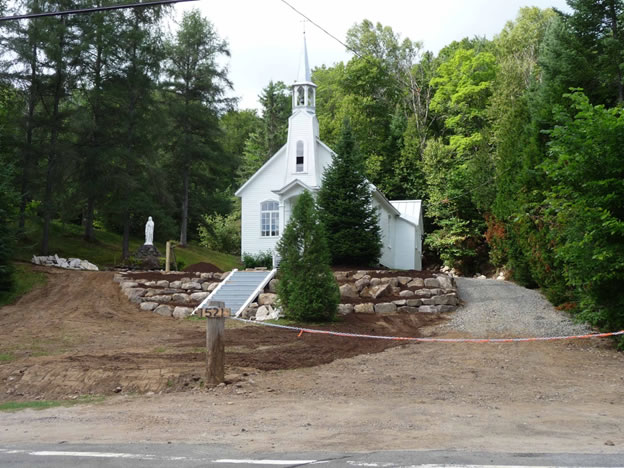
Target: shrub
221, 233
261, 259
307, 289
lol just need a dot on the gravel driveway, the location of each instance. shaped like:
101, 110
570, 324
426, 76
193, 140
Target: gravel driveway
494, 308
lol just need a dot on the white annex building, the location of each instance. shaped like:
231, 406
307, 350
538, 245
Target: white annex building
269, 195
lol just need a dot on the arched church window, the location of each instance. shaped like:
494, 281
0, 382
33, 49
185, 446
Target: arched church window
300, 96
299, 160
311, 97
269, 219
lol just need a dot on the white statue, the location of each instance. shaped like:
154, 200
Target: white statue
149, 231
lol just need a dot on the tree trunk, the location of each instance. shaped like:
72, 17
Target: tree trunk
185, 205
89, 237
618, 58
125, 249
52, 153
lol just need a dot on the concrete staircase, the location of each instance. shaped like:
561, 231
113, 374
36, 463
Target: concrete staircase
239, 290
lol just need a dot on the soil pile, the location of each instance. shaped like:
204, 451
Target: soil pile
203, 267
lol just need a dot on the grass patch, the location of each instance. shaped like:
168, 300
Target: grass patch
7, 357
66, 240
25, 280
44, 404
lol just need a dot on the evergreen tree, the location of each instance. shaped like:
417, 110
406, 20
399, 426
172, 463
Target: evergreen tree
345, 203
307, 288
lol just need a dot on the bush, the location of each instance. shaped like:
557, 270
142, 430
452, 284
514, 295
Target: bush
221, 233
261, 259
307, 289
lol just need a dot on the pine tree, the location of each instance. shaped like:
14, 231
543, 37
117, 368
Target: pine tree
346, 210
307, 288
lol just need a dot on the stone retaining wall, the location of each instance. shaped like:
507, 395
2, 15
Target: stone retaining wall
368, 292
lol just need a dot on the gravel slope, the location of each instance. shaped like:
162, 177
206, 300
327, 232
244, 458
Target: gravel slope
494, 308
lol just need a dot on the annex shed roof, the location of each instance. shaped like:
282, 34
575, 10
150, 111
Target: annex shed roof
409, 209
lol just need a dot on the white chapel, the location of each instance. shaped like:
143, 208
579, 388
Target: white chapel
269, 195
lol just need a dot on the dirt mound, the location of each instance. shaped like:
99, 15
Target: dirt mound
203, 267
79, 335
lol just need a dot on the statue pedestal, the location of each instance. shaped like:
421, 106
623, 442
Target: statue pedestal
147, 257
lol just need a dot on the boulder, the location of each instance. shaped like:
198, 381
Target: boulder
394, 282
429, 309
416, 283
209, 287
128, 284
359, 274
205, 275
413, 302
365, 293
427, 301
380, 290
149, 284
445, 299
385, 308
164, 310
74, 263
344, 309
85, 265
447, 308
135, 294
148, 305
267, 299
249, 313
406, 293
264, 312
422, 293
403, 280
362, 282
407, 310
395, 290
348, 290
182, 312
375, 281
385, 280
432, 283
162, 284
180, 297
161, 299
446, 282
366, 308
341, 275
199, 296
399, 302
191, 285
175, 284
273, 285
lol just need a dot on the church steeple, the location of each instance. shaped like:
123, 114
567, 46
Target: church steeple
303, 90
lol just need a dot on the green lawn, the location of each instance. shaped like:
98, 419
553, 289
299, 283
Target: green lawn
43, 404
66, 241
25, 280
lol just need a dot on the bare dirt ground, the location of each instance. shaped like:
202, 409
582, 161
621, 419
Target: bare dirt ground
78, 335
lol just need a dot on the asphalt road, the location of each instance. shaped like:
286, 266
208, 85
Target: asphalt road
179, 455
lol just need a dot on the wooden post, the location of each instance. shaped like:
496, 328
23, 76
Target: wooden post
167, 256
216, 314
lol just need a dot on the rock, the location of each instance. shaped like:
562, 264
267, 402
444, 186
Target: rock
394, 282
199, 296
182, 312
380, 290
406, 293
191, 285
180, 297
413, 302
416, 283
341, 275
344, 309
85, 265
135, 294
399, 302
385, 280
362, 282
148, 305
478, 276
359, 274
407, 310
423, 293
162, 283
263, 313
175, 284
432, 283
403, 280
164, 310
446, 282
447, 308
249, 313
375, 281
446, 299
395, 290
74, 263
267, 299
117, 278
273, 285
428, 301
128, 284
366, 308
365, 293
161, 299
437, 291
205, 275
429, 309
348, 290
385, 308
149, 284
